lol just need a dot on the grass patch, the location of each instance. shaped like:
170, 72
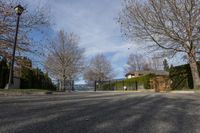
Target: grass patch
126, 90
143, 90
23, 91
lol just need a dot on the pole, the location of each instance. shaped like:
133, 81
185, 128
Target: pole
123, 85
109, 85
10, 81
136, 85
73, 89
95, 85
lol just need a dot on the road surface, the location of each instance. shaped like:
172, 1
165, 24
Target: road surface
101, 112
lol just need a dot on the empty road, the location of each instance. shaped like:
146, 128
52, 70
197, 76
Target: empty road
101, 112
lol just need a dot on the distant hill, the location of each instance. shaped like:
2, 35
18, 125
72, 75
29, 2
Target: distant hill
83, 87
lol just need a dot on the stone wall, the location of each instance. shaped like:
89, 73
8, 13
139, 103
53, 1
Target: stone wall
160, 83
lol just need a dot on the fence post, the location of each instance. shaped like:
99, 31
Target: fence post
58, 85
109, 85
72, 84
123, 84
95, 85
116, 86
136, 85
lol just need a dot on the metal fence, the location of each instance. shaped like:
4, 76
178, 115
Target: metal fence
67, 85
118, 85
110, 85
84, 87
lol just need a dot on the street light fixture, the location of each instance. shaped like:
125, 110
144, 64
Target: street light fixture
19, 10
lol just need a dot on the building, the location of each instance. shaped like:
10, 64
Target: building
21, 62
140, 73
160, 82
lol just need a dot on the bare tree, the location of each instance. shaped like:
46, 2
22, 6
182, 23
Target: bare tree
135, 62
65, 59
156, 62
147, 66
172, 25
99, 69
30, 21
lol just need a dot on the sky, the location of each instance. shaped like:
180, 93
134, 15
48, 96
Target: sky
95, 21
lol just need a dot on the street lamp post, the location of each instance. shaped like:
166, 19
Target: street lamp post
19, 10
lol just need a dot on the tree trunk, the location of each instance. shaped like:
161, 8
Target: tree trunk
63, 87
63, 80
194, 69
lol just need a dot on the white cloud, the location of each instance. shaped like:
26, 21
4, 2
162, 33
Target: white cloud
94, 21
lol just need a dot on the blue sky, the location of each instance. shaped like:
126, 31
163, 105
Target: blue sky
95, 22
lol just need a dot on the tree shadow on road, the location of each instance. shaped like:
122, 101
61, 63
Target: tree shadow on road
131, 114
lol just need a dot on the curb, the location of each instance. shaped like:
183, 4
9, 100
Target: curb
182, 92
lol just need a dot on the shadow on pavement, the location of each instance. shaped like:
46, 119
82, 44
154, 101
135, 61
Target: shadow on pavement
148, 113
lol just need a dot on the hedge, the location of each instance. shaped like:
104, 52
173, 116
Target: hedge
30, 78
129, 83
4, 73
35, 79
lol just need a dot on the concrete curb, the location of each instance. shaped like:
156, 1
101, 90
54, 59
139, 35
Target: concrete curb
182, 92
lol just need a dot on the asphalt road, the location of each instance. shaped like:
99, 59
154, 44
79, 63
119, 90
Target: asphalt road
101, 112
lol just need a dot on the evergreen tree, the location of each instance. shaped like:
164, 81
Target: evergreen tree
171, 67
3, 72
166, 65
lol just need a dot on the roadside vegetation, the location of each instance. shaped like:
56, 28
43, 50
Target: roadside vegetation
98, 69
24, 92
167, 28
130, 84
170, 26
31, 78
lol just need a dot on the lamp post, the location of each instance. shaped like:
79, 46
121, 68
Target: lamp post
19, 10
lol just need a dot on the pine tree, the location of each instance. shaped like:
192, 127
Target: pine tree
3, 72
166, 65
